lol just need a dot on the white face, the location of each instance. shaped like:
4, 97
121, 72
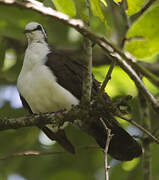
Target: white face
35, 32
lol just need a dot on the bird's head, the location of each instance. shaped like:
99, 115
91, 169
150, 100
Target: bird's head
35, 32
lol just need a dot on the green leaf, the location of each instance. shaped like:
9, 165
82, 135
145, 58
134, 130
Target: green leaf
134, 6
143, 35
96, 9
67, 7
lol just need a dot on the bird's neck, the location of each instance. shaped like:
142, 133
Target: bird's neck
35, 54
34, 40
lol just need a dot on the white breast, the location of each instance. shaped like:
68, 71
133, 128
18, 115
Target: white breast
37, 84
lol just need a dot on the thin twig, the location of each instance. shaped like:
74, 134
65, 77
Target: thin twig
43, 153
108, 76
138, 14
108, 139
30, 153
141, 128
150, 2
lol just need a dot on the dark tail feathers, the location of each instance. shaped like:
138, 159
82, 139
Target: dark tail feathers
122, 146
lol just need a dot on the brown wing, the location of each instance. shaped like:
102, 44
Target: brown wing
69, 73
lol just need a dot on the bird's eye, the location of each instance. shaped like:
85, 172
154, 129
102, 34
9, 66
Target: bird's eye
39, 28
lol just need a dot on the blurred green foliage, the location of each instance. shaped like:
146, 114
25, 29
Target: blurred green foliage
66, 7
135, 6
87, 164
145, 42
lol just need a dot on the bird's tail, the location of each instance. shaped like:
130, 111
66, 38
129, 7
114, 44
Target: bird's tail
122, 146
60, 137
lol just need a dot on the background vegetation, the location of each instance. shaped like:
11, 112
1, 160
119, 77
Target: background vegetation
130, 27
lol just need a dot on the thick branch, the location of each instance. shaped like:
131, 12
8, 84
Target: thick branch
56, 119
87, 78
32, 120
87, 61
84, 113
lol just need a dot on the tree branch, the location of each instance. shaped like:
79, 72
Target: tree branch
152, 67
150, 98
108, 76
108, 139
141, 128
31, 120
87, 62
44, 153
87, 76
56, 119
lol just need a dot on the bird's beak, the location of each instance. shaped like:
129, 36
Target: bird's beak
26, 31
